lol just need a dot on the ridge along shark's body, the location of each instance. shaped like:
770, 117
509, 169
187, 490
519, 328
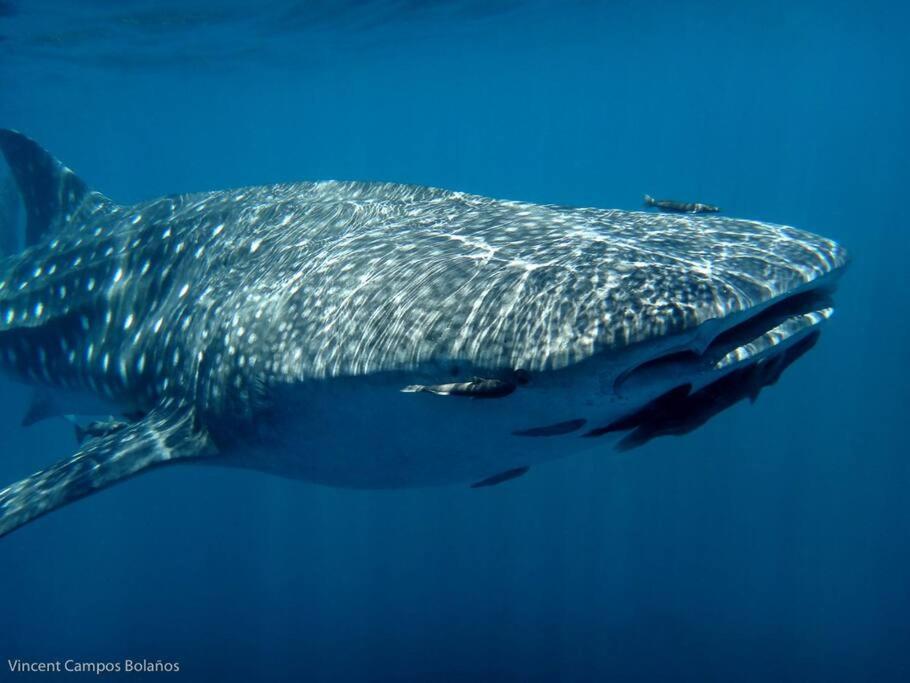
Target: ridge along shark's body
380, 335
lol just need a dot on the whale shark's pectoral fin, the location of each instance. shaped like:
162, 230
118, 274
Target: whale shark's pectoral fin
167, 434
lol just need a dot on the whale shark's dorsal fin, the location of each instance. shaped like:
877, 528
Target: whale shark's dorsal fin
167, 434
51, 193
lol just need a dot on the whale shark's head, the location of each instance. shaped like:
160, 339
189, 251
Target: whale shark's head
720, 309
524, 336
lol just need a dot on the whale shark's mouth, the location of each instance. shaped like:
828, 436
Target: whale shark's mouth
737, 363
754, 337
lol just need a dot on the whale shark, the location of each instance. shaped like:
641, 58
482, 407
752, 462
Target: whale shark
381, 335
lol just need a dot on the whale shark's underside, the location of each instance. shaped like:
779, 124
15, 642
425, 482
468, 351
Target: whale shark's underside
378, 335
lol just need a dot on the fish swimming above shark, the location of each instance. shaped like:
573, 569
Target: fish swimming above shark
678, 206
379, 335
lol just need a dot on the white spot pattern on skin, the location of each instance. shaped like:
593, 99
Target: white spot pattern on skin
360, 278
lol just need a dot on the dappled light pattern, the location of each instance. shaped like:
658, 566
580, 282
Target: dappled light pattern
224, 322
326, 279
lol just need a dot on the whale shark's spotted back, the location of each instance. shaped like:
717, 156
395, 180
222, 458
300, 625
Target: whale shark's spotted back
215, 303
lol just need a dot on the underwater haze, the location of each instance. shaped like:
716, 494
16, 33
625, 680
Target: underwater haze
771, 544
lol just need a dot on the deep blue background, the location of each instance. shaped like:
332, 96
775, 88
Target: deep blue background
771, 544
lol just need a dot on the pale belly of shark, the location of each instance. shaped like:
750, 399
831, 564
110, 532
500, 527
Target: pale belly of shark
377, 335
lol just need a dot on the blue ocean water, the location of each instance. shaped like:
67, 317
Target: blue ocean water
771, 544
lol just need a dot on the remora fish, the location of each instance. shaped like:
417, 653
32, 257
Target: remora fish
680, 207
275, 327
